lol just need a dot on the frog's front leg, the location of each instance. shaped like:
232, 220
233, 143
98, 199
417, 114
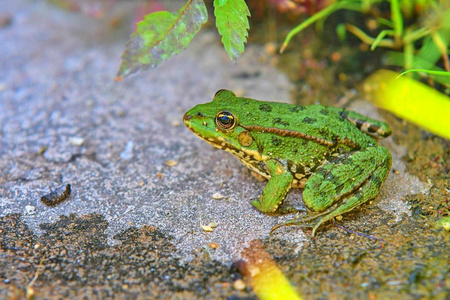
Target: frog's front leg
344, 183
276, 189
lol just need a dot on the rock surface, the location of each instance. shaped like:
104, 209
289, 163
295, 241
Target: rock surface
66, 121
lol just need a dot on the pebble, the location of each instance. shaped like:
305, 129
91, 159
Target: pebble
76, 141
171, 163
218, 196
30, 210
127, 153
239, 285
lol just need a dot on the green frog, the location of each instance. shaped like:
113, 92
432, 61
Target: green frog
331, 153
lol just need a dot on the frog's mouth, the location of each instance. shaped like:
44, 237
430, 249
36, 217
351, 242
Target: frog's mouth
186, 120
216, 142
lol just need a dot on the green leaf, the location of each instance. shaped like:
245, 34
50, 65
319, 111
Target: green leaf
232, 24
160, 36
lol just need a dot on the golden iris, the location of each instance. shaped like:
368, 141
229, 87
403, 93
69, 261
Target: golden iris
225, 120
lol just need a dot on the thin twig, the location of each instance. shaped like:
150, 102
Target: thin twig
359, 233
30, 291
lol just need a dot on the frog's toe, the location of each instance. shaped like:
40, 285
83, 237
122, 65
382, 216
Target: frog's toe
288, 209
313, 222
289, 223
293, 222
259, 205
316, 226
268, 207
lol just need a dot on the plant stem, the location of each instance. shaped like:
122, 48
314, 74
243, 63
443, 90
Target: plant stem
397, 19
409, 55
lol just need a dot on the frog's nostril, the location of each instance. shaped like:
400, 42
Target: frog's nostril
187, 117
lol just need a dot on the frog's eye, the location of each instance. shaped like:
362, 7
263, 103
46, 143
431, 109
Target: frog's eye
225, 120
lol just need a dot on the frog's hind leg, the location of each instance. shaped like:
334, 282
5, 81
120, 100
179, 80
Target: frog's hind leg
343, 184
370, 126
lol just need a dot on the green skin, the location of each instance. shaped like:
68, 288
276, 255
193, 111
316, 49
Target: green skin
330, 152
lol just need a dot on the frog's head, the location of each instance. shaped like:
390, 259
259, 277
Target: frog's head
217, 123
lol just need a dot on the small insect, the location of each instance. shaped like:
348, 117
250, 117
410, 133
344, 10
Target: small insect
57, 196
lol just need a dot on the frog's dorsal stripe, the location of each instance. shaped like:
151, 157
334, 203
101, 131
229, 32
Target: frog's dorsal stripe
350, 143
291, 133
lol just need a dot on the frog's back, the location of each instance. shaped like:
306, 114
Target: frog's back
324, 123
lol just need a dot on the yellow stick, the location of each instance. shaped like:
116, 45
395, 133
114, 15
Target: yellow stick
411, 100
264, 276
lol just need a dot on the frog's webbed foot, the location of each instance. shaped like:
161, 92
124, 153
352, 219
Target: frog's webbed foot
313, 222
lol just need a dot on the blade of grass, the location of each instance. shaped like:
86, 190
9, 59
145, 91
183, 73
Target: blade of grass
397, 20
413, 36
350, 5
380, 37
434, 72
368, 39
385, 22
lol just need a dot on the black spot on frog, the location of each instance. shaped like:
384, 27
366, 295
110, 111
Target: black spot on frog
265, 107
280, 121
276, 141
296, 109
324, 112
308, 120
